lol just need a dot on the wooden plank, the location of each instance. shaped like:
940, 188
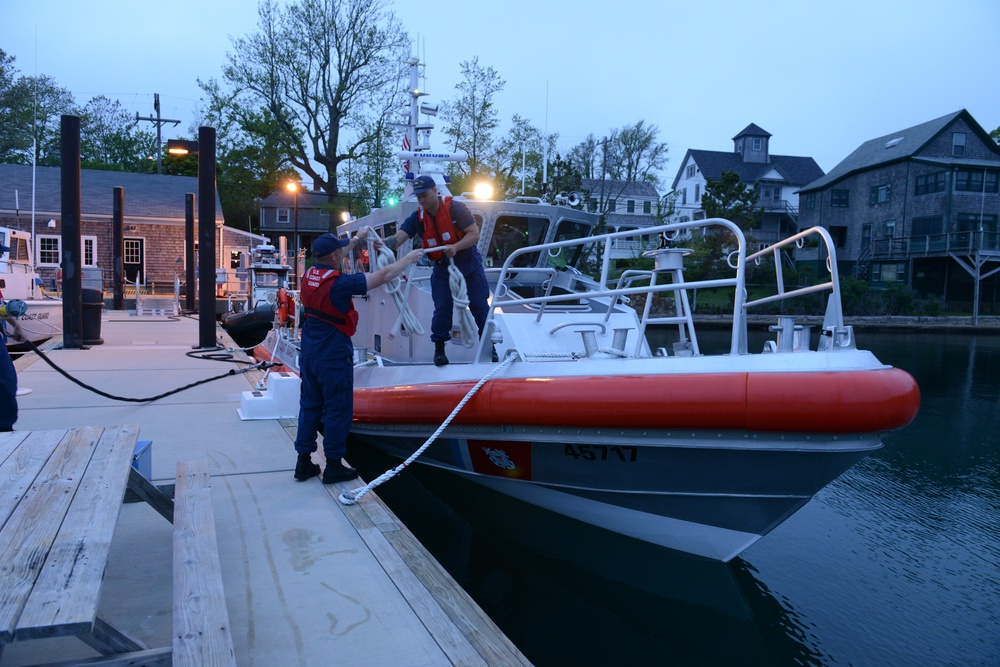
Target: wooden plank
66, 595
451, 641
487, 639
21, 467
147, 491
154, 657
108, 640
9, 442
27, 536
201, 620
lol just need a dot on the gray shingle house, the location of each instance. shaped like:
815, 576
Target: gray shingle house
154, 222
775, 178
918, 206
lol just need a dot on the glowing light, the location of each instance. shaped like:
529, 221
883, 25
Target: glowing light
483, 191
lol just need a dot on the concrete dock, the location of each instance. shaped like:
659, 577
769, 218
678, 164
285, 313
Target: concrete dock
308, 581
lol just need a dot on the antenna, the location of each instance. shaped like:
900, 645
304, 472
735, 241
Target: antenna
159, 123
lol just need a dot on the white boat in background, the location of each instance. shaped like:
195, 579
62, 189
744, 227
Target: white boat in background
19, 280
699, 450
252, 314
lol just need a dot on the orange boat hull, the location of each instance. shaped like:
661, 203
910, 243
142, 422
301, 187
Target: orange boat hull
868, 401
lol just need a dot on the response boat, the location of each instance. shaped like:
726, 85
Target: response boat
700, 451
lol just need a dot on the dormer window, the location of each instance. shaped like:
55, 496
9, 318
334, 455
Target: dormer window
758, 143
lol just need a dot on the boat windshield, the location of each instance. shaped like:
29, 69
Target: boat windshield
266, 279
569, 230
513, 232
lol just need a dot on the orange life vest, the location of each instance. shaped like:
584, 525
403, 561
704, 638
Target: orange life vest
440, 230
315, 295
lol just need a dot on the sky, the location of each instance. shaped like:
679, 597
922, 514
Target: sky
821, 77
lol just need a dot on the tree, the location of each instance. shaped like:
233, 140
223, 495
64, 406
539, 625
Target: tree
995, 135
727, 197
249, 160
30, 109
315, 73
640, 157
472, 118
586, 157
375, 171
524, 147
109, 139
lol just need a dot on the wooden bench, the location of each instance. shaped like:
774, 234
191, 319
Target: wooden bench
200, 620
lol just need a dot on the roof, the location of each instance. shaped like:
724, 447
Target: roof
282, 198
147, 196
752, 130
900, 145
619, 188
796, 170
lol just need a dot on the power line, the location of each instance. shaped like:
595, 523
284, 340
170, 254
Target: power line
159, 124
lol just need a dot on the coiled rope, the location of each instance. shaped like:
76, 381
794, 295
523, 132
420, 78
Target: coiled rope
460, 306
352, 496
407, 323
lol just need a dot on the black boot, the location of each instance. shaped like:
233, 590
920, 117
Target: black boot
305, 468
338, 472
440, 358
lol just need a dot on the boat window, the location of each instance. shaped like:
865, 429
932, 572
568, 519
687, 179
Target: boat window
569, 230
266, 279
512, 232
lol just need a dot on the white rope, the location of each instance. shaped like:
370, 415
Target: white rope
352, 496
460, 306
407, 322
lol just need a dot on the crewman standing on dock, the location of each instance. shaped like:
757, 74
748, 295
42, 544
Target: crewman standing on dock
326, 361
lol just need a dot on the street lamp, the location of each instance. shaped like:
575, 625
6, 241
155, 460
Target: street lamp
293, 187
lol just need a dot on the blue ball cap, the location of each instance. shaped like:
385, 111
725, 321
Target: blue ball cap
326, 244
422, 184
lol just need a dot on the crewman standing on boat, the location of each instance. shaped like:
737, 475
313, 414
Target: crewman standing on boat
326, 361
446, 224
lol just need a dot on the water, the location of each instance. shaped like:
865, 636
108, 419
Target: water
897, 562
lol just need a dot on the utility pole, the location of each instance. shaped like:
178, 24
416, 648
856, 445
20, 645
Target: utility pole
159, 124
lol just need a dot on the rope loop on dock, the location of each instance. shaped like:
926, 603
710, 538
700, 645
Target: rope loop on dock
353, 495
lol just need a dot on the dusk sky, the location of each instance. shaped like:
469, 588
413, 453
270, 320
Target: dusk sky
822, 78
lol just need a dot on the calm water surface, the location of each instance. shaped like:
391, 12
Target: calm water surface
895, 563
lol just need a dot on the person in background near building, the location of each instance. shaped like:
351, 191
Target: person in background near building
449, 225
326, 360
8, 376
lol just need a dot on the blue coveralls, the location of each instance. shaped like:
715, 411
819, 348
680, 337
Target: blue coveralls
326, 366
8, 388
469, 262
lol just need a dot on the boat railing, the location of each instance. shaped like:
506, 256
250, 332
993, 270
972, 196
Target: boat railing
667, 261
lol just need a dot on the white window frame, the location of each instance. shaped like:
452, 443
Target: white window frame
283, 216
38, 249
93, 253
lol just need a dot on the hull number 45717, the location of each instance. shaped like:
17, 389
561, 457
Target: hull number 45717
624, 453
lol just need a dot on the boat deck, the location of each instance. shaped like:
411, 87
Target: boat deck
308, 581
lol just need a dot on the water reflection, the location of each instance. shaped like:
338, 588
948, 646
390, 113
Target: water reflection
568, 593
